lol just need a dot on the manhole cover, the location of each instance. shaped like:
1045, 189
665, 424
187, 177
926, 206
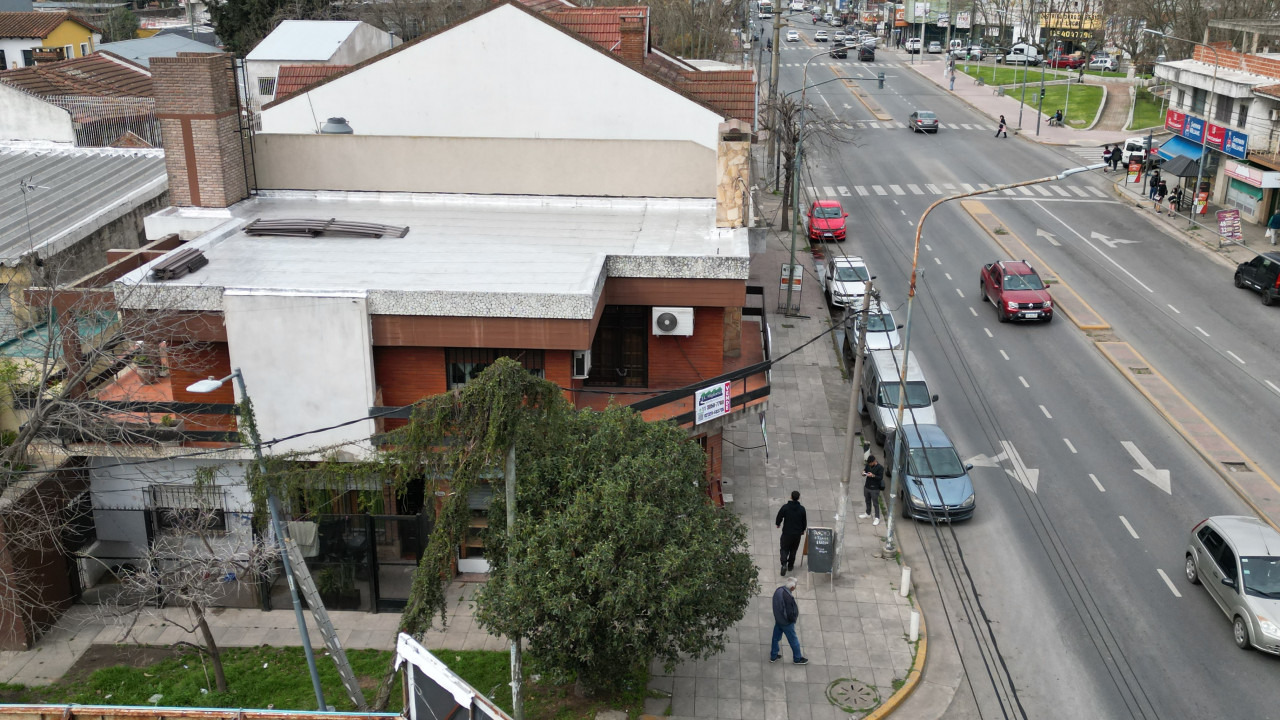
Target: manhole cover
852, 695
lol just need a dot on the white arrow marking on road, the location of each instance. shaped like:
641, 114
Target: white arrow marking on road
1029, 477
1105, 240
984, 461
1048, 236
1146, 469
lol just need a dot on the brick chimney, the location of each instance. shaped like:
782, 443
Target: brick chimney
633, 31
204, 151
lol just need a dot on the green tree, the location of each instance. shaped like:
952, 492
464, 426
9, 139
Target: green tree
620, 557
121, 24
241, 24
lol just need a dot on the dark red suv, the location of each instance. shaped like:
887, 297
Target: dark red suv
826, 220
1016, 290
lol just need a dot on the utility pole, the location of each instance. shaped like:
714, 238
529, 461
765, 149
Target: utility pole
773, 93
851, 435
517, 663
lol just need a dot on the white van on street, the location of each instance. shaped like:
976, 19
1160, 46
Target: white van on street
881, 389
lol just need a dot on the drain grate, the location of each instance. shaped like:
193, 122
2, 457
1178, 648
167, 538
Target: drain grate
1236, 466
1140, 370
852, 695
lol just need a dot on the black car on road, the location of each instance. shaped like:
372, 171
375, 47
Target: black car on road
1262, 274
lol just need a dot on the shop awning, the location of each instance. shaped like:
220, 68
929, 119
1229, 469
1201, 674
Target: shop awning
1176, 146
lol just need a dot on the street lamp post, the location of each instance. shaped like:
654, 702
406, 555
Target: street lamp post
895, 490
273, 504
795, 169
1204, 131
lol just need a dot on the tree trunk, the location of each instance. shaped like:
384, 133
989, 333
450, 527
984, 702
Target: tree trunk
215, 655
384, 689
787, 193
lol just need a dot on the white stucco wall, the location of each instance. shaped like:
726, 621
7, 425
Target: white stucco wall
503, 75
13, 48
27, 117
365, 42
307, 362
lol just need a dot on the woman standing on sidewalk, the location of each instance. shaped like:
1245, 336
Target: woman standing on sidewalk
1161, 191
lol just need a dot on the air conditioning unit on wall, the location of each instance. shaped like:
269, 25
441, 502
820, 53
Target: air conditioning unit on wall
581, 364
673, 321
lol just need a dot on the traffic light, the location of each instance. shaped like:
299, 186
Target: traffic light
1041, 93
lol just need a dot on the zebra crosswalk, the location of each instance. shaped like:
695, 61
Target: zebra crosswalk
897, 125
1048, 190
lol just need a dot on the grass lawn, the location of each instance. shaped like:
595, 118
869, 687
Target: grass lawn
1148, 111
1085, 100
262, 676
1001, 75
256, 677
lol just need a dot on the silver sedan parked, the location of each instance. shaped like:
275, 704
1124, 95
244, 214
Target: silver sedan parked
1237, 558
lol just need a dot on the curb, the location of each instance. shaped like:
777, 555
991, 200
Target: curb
1122, 194
913, 678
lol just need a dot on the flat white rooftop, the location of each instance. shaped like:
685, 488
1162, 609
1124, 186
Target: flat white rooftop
464, 255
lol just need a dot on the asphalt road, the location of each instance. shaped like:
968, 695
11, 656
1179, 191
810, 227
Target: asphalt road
1067, 586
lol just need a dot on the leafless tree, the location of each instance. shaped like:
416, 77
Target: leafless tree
1181, 18
195, 563
408, 19
821, 131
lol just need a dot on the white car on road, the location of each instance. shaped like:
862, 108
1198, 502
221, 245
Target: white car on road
793, 36
820, 36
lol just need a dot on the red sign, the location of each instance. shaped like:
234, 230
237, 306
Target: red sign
899, 17
1174, 120
1135, 171
1215, 136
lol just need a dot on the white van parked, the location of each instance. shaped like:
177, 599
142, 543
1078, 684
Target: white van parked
881, 384
1023, 54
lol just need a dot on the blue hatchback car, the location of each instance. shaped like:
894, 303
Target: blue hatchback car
935, 481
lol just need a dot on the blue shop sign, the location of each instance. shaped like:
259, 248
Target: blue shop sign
1193, 130
1235, 143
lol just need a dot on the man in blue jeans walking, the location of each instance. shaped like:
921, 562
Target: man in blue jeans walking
785, 614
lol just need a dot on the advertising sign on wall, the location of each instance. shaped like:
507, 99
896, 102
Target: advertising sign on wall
1230, 142
1174, 121
712, 402
962, 20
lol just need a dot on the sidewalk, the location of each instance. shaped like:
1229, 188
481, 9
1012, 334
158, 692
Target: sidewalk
983, 99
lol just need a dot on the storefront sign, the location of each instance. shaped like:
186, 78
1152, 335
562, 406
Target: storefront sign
1256, 177
1230, 142
1135, 171
899, 17
944, 20
1229, 225
921, 9
712, 402
962, 20
1064, 20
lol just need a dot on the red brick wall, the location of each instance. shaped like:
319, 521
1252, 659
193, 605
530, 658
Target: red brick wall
1228, 58
196, 104
190, 363
405, 375
675, 361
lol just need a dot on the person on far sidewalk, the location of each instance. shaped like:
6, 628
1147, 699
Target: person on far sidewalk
1155, 183
1106, 158
791, 518
1116, 157
953, 79
873, 471
1273, 227
785, 615
1161, 191
1000, 128
1175, 200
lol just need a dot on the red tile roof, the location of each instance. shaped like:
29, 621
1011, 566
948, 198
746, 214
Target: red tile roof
36, 24
733, 92
1268, 90
99, 74
541, 6
597, 24
292, 78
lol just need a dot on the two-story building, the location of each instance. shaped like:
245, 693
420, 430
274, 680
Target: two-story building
1227, 101
399, 225
30, 37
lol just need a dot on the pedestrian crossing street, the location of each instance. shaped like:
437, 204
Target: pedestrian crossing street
1048, 190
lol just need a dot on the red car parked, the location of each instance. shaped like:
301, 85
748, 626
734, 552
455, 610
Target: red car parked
826, 220
1016, 290
1070, 62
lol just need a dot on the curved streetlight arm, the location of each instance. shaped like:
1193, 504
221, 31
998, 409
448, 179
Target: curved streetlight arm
911, 294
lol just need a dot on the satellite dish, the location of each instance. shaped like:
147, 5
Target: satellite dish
667, 322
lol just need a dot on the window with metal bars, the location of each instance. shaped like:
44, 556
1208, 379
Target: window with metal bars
178, 506
462, 365
267, 86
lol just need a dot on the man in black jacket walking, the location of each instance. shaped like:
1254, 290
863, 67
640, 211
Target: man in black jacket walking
874, 474
791, 518
785, 614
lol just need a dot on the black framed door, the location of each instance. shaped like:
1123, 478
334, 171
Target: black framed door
620, 350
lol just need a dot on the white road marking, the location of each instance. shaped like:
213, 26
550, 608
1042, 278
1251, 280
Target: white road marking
1004, 355
959, 293
1041, 189
1237, 358
1094, 478
988, 332
1176, 310
829, 190
897, 190
949, 187
948, 275
1023, 189
1096, 192
975, 314
967, 187
1023, 381
1169, 582
937, 261
1078, 191
933, 189
1095, 247
928, 247
1202, 332
1007, 191
874, 125
1070, 447
1060, 190
862, 191
843, 191
1129, 527
1045, 410
879, 190
915, 189
1273, 385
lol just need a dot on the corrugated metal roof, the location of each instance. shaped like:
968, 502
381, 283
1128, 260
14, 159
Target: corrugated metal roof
37, 24
315, 40
141, 50
95, 75
77, 191
292, 78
